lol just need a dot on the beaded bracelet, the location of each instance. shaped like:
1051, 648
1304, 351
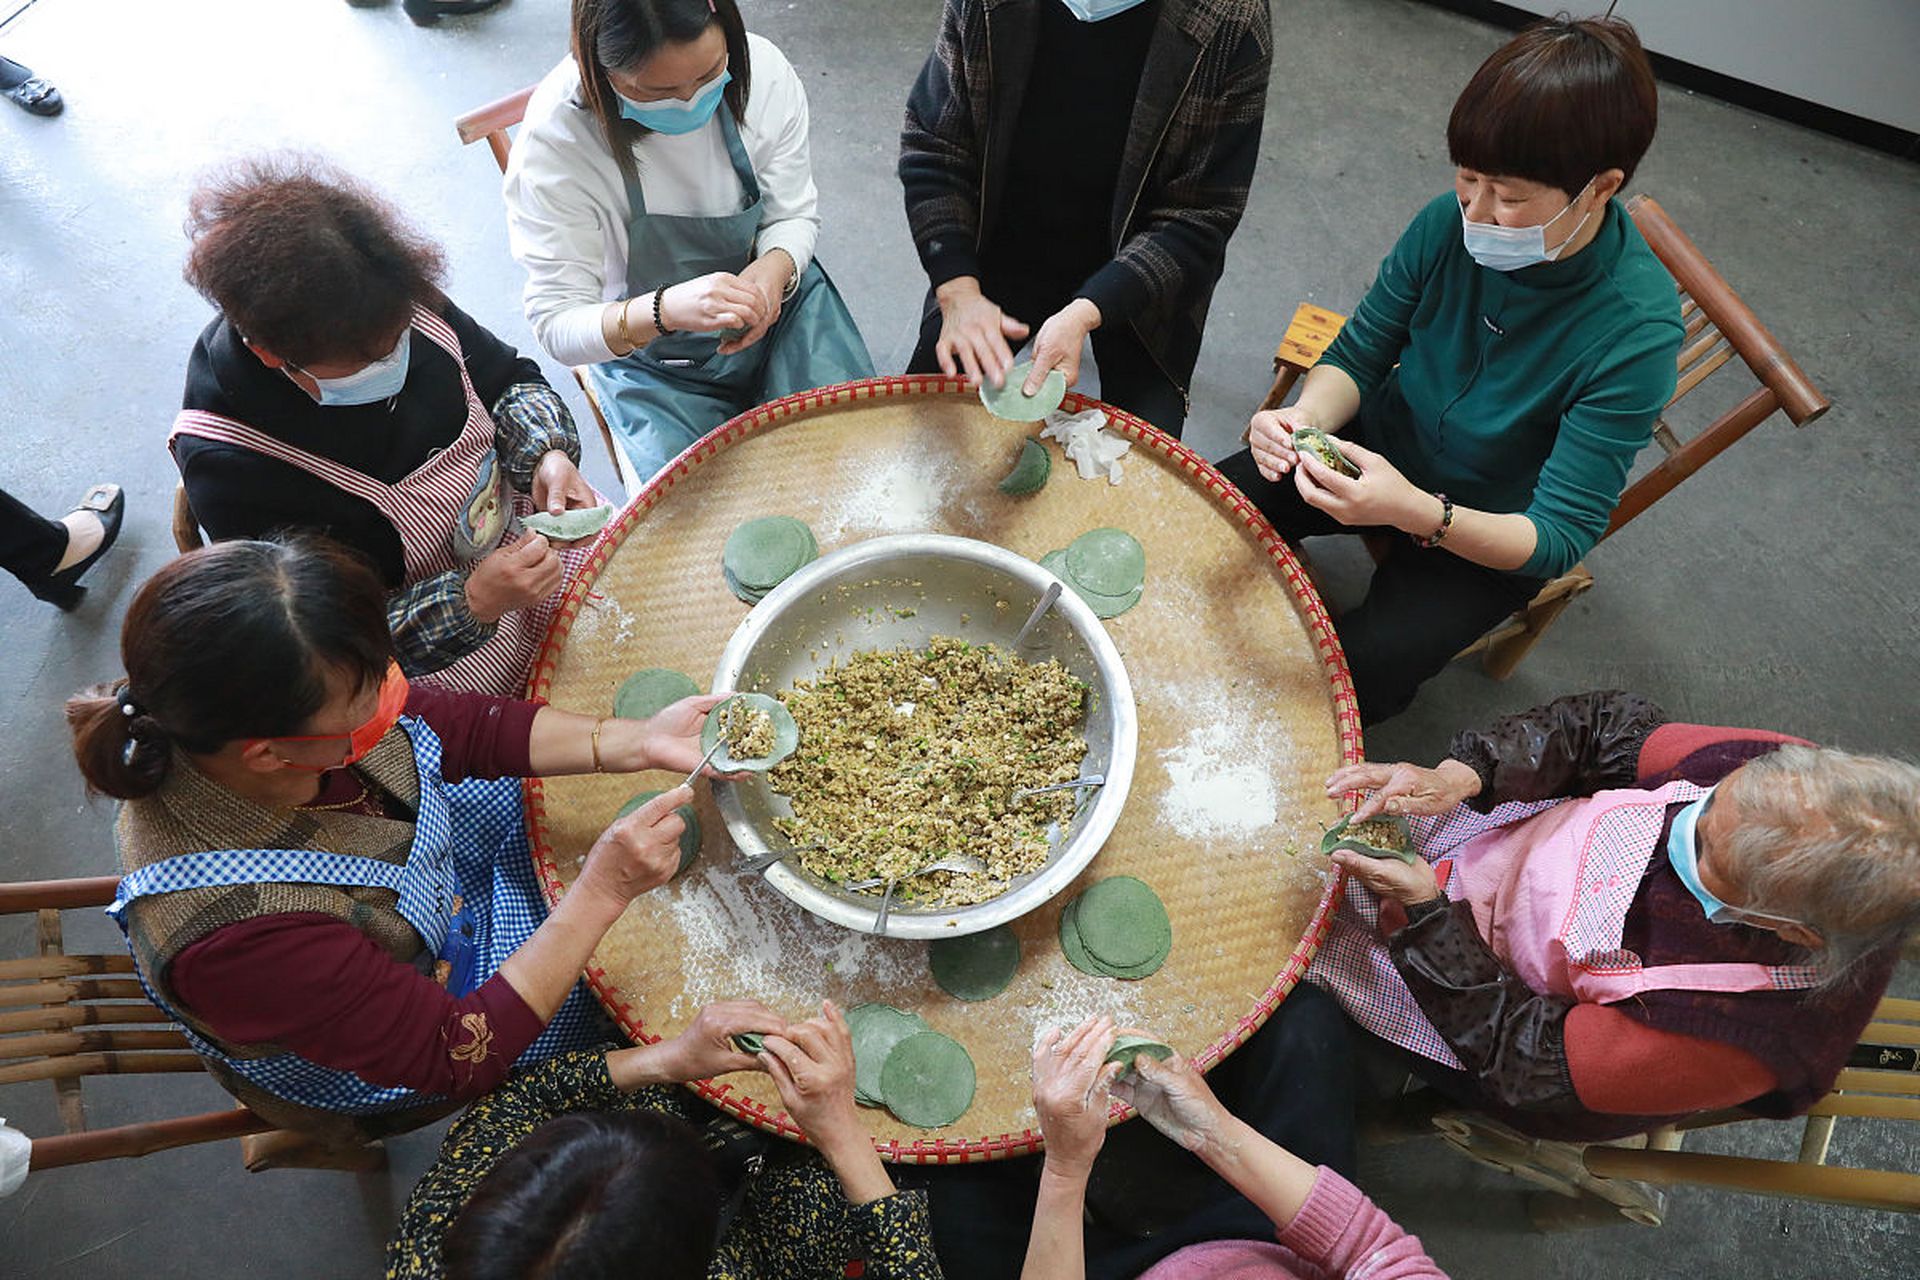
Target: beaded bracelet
1446, 523
660, 321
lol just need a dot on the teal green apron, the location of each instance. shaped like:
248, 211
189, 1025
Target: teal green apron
668, 394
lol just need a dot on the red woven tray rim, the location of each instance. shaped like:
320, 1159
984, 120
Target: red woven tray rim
773, 414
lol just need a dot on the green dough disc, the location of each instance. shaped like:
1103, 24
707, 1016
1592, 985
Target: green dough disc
1110, 562
1383, 837
650, 691
762, 553
750, 1041
928, 1080
741, 593
978, 966
1008, 400
1127, 1048
569, 526
786, 735
1029, 474
875, 1029
689, 839
1055, 562
1122, 922
1083, 960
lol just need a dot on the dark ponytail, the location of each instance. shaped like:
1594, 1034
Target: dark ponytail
235, 640
619, 34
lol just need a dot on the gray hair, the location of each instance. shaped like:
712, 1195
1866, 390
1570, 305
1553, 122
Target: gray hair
1832, 839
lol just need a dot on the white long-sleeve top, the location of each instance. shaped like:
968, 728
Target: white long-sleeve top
567, 209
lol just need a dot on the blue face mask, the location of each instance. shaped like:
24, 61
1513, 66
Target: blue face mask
1094, 10
1683, 851
380, 380
1501, 248
677, 115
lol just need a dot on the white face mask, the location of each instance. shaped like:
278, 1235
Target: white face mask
1501, 248
1094, 10
378, 381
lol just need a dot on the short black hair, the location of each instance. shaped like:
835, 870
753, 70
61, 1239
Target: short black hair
592, 1196
1557, 104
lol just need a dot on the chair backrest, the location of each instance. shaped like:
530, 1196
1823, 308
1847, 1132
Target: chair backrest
65, 1017
492, 122
1719, 326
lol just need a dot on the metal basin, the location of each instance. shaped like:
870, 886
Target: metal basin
902, 591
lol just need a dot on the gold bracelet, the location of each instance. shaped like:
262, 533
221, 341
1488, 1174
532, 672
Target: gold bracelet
598, 725
626, 335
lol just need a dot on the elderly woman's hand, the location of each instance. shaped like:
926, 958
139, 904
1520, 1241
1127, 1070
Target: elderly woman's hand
1405, 883
1380, 496
1173, 1098
1404, 789
558, 485
811, 1064
1071, 1078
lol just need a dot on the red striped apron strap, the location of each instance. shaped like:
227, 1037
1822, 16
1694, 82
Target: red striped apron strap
222, 430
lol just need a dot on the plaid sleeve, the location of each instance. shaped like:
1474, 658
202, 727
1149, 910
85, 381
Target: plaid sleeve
939, 156
530, 421
431, 624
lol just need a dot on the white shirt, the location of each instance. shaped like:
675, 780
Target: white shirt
567, 208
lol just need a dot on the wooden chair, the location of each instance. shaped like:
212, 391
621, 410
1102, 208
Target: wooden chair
186, 525
1599, 1183
492, 122
65, 1017
1719, 326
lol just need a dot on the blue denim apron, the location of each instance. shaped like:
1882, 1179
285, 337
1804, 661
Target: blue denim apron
669, 393
467, 888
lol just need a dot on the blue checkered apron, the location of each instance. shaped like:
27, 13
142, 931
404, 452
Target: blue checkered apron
469, 843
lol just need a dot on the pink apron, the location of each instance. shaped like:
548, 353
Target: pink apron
1550, 883
450, 511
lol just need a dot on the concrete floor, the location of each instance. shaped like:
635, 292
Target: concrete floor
1777, 587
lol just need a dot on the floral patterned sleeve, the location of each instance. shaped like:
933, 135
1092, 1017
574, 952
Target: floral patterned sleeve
795, 1221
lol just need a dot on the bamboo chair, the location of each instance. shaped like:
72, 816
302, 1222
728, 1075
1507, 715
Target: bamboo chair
1600, 1183
65, 1017
1719, 326
492, 122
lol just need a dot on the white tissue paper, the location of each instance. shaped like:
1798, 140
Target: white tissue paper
1083, 438
15, 1147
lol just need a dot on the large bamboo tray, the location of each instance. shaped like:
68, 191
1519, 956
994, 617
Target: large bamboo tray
1244, 708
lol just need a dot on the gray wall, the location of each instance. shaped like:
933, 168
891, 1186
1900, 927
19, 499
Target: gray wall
1858, 56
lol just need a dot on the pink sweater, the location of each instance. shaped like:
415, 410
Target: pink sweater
1338, 1234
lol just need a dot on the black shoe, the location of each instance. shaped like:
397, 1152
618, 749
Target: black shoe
36, 95
63, 588
427, 12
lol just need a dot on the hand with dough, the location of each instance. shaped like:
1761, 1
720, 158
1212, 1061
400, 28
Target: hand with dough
1060, 342
811, 1064
558, 485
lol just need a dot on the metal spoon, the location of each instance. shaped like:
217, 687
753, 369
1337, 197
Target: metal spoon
1021, 793
705, 760
766, 861
1047, 598
960, 863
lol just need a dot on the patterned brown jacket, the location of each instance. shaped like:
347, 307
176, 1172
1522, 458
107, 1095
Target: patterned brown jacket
1188, 164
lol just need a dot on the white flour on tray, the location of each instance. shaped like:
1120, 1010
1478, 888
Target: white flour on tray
1222, 774
744, 940
903, 495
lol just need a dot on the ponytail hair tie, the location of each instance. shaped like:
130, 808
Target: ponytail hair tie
128, 707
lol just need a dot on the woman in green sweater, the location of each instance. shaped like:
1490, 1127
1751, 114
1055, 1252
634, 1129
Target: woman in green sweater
1495, 383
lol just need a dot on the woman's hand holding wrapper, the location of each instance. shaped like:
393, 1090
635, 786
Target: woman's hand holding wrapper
1403, 790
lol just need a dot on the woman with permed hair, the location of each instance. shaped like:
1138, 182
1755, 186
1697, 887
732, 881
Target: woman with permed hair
339, 390
661, 198
1493, 386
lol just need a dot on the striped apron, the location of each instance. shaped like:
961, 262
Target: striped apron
450, 511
